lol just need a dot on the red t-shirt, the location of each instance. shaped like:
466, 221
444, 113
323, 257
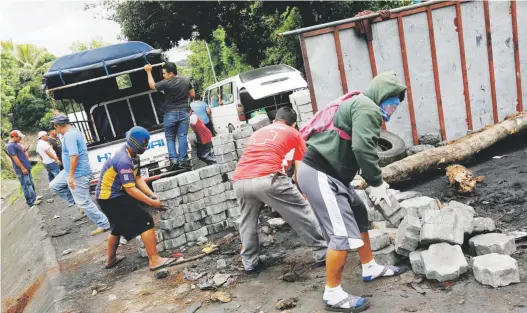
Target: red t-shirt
271, 149
203, 133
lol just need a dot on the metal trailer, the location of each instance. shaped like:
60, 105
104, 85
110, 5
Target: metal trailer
462, 62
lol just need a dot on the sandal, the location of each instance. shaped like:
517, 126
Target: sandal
357, 304
117, 261
396, 272
168, 262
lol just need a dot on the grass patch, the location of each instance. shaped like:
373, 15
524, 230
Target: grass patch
14, 196
36, 170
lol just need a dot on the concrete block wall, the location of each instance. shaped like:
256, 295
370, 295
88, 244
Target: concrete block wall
301, 102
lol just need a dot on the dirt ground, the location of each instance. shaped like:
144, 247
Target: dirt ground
132, 288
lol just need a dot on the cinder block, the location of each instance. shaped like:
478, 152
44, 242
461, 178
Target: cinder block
244, 132
216, 228
194, 206
193, 226
173, 233
194, 187
194, 235
217, 208
169, 194
211, 181
215, 218
222, 139
227, 157
176, 242
224, 149
232, 204
215, 199
192, 197
187, 178
196, 216
171, 223
233, 212
230, 195
242, 143
227, 167
164, 184
209, 171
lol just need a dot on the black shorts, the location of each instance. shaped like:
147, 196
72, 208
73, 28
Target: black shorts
128, 217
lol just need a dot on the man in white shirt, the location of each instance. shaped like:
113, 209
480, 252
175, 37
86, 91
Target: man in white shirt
48, 155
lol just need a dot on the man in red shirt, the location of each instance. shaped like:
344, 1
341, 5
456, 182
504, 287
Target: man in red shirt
260, 179
203, 138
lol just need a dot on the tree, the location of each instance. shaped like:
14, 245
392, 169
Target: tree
78, 46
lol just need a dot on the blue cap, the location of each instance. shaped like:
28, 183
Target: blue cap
60, 119
137, 139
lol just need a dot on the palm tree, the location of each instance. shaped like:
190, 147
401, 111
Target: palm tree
27, 56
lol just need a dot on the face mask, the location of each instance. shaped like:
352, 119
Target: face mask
388, 106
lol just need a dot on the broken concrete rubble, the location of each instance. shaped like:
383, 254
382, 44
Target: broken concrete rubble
386, 256
378, 239
496, 270
465, 215
492, 243
416, 262
482, 225
393, 213
444, 262
418, 205
441, 226
407, 236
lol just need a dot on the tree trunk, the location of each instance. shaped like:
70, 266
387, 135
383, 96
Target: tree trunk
454, 152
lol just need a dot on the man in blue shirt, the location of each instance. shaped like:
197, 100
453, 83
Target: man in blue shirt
73, 183
22, 167
203, 111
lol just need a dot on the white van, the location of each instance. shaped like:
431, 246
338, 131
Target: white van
233, 100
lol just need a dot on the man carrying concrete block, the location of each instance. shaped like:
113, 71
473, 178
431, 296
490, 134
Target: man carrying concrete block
260, 179
344, 141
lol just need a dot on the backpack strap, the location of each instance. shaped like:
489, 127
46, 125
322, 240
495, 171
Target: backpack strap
344, 135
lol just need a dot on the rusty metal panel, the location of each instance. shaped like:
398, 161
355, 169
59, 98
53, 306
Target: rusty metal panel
502, 49
388, 57
356, 60
449, 70
324, 68
421, 73
477, 64
521, 7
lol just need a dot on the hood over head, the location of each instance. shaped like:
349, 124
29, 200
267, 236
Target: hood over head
383, 86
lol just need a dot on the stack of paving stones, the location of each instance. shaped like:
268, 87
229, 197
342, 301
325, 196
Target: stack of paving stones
301, 101
241, 139
225, 152
431, 235
192, 153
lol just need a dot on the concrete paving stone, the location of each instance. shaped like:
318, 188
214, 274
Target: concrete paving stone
365, 199
227, 167
492, 243
233, 212
224, 149
378, 239
239, 153
396, 219
301, 97
173, 203
176, 242
215, 199
173, 233
216, 208
196, 216
215, 218
218, 227
385, 256
481, 225
193, 196
230, 195
444, 262
229, 175
392, 233
214, 190
226, 158
496, 270
430, 139
407, 236
188, 178
418, 205
416, 262
228, 185
212, 181
405, 195
140, 242
242, 143
379, 225
175, 212
222, 139
235, 223
192, 226
209, 171
160, 246
142, 252
165, 224
276, 222
375, 216
194, 187
195, 235
169, 194
242, 133
164, 184
194, 206
441, 226
465, 215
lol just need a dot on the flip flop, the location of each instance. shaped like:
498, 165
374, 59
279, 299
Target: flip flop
364, 305
119, 260
396, 272
168, 262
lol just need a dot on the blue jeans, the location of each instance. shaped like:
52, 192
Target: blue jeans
176, 125
80, 196
53, 170
28, 187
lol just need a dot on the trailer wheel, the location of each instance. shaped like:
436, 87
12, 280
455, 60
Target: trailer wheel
390, 148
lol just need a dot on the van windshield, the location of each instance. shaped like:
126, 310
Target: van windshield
264, 71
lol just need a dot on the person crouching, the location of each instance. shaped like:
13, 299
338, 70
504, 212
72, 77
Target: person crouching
123, 196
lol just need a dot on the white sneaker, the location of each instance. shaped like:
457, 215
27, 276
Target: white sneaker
38, 201
39, 197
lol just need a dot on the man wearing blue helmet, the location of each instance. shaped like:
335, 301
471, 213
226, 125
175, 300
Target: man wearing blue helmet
123, 196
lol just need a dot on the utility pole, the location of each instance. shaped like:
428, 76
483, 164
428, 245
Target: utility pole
211, 65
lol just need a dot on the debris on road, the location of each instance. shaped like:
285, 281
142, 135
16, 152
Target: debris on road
66, 252
276, 222
221, 296
162, 273
50, 201
60, 233
221, 264
220, 279
407, 237
286, 303
56, 216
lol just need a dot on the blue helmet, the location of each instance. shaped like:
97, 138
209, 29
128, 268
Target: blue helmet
137, 139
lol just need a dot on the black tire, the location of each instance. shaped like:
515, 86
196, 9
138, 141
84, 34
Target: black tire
390, 148
231, 128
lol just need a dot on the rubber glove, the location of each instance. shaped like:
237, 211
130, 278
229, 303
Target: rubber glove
378, 193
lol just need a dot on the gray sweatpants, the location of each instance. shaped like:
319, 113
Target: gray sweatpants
338, 208
280, 194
